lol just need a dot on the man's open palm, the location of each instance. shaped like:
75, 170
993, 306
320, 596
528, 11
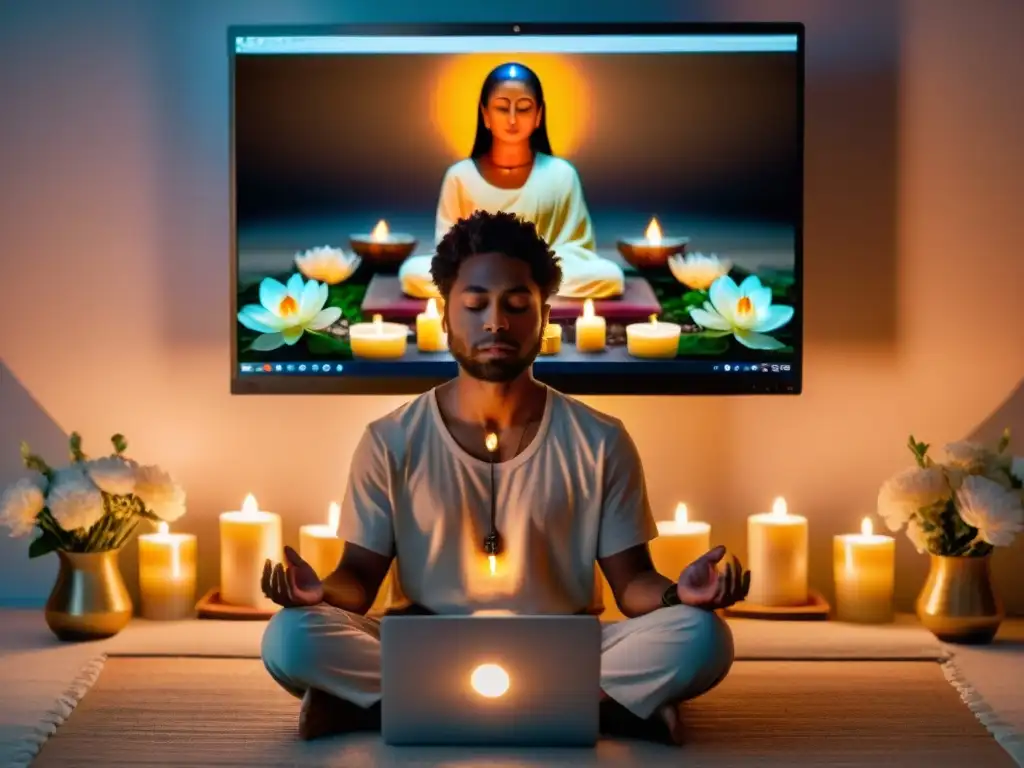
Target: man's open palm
292, 584
703, 585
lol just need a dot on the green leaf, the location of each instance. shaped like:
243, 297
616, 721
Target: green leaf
43, 545
75, 443
119, 443
920, 451
1004, 441
703, 344
349, 299
695, 298
35, 462
325, 344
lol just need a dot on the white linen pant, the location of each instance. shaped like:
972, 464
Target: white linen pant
666, 656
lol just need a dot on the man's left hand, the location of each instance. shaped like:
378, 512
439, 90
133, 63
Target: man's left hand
703, 585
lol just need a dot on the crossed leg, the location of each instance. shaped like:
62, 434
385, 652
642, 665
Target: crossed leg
649, 664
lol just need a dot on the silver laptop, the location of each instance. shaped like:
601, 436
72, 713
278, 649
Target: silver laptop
495, 680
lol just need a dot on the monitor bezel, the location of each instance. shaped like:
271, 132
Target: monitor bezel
632, 383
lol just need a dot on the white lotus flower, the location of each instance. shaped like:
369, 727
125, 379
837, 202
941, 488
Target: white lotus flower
326, 264
697, 271
746, 311
992, 509
904, 494
112, 475
285, 312
159, 493
21, 504
74, 501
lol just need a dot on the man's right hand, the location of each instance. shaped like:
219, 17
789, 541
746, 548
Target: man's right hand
292, 584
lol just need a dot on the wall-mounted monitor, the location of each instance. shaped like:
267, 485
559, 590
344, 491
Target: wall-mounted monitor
665, 172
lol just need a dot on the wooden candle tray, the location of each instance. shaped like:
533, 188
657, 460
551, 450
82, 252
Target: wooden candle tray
816, 610
211, 607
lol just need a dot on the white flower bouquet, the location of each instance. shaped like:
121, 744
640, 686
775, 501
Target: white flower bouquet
961, 506
91, 505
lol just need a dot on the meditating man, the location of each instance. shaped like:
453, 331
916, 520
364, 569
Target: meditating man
570, 492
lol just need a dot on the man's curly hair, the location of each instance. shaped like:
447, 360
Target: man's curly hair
484, 232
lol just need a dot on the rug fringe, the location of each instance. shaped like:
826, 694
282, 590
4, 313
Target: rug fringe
25, 752
1005, 734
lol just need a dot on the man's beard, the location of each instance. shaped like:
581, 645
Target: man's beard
494, 371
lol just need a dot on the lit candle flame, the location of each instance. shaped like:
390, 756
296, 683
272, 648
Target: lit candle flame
653, 233
865, 527
380, 232
333, 517
491, 441
654, 320
431, 310
249, 506
588, 308
779, 507
492, 561
378, 324
682, 515
163, 529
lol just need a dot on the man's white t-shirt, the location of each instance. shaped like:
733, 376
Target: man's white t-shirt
574, 494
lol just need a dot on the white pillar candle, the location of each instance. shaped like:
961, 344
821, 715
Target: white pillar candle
430, 336
777, 557
167, 575
864, 567
590, 329
680, 542
320, 546
248, 538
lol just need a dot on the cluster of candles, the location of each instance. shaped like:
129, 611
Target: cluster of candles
378, 340
864, 564
248, 538
654, 339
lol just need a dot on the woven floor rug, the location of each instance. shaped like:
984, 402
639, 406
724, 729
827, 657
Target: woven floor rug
187, 712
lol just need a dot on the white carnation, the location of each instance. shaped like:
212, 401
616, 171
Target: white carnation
20, 504
968, 456
159, 493
74, 501
903, 495
917, 536
112, 475
992, 509
1017, 468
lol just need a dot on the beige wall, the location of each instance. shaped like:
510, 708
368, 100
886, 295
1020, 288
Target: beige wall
113, 271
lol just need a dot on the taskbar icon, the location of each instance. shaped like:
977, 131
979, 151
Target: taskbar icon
291, 368
752, 367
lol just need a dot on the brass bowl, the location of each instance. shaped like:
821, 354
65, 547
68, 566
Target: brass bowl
390, 250
643, 254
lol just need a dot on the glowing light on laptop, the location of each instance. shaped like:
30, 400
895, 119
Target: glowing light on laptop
490, 681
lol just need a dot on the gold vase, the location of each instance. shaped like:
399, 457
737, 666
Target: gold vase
958, 603
90, 600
